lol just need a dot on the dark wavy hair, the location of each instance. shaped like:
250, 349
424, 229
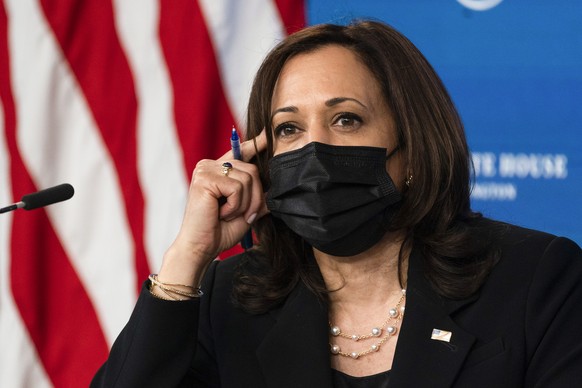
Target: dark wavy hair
435, 213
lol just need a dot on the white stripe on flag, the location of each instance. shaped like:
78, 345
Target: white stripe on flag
19, 362
92, 226
242, 33
160, 161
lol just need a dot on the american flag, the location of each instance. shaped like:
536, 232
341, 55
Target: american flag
120, 98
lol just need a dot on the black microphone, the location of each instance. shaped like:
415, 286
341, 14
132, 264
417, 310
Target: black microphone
42, 198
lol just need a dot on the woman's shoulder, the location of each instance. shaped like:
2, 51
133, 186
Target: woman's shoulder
510, 238
524, 252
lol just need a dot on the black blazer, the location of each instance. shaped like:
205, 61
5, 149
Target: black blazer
522, 329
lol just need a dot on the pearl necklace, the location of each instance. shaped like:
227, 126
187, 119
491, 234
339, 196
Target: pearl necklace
395, 315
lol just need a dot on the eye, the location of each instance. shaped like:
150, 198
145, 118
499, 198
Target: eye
347, 119
285, 130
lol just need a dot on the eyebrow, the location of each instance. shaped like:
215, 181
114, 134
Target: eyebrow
338, 100
289, 109
331, 102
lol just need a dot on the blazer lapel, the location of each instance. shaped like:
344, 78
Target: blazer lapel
295, 352
421, 361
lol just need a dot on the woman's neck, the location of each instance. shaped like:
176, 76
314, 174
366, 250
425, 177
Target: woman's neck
363, 289
370, 276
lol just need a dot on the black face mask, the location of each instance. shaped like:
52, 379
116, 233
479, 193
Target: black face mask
339, 199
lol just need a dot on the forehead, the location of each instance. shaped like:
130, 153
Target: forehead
330, 70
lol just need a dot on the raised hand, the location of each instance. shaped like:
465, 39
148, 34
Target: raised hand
222, 203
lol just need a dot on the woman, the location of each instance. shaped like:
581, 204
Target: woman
370, 269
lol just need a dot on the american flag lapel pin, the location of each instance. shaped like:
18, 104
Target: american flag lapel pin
441, 335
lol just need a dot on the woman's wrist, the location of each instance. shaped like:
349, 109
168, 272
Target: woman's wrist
183, 266
172, 291
179, 277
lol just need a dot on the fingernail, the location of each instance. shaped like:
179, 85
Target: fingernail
251, 218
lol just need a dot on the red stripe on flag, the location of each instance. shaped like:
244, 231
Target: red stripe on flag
202, 114
292, 13
86, 33
203, 117
54, 306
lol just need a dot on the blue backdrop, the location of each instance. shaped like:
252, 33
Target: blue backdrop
514, 70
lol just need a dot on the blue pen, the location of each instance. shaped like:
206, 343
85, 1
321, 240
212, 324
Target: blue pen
235, 144
247, 241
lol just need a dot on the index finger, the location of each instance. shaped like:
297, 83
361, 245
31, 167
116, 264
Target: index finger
248, 149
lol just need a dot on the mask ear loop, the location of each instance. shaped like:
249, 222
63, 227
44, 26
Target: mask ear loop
392, 152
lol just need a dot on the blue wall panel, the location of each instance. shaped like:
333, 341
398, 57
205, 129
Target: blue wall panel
515, 74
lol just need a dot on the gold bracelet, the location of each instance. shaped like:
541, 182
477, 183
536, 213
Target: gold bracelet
158, 296
154, 278
168, 288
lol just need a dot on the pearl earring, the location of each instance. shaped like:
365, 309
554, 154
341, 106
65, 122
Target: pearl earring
408, 180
